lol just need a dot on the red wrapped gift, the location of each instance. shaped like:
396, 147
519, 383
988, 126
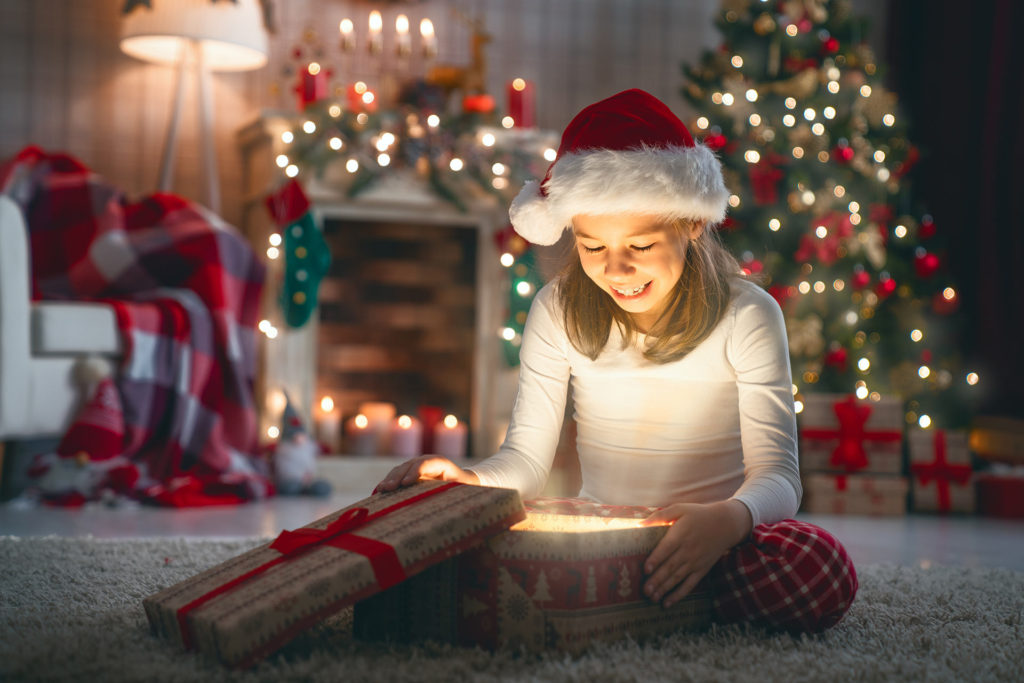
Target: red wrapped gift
553, 581
855, 494
1001, 491
248, 607
940, 471
841, 433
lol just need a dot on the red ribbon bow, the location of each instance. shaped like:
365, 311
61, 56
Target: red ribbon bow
942, 472
853, 415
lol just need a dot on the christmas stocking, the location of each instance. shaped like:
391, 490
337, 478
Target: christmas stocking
306, 256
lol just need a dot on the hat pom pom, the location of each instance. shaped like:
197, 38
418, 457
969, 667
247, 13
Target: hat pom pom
531, 217
91, 370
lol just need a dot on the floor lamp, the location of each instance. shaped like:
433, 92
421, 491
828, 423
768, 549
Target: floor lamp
197, 37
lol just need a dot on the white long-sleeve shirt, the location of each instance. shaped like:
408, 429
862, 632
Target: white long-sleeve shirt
716, 424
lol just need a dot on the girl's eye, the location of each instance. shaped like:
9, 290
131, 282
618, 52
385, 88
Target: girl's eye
591, 250
647, 248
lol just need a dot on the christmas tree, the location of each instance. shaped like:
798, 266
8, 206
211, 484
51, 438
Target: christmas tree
816, 156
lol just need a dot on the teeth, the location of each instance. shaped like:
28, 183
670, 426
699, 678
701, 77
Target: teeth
631, 292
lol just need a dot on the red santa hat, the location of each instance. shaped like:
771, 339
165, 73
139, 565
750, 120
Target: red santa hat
625, 154
98, 431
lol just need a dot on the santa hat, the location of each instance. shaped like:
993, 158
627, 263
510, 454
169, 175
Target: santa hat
625, 154
291, 423
98, 431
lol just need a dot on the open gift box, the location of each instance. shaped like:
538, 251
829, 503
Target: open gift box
432, 561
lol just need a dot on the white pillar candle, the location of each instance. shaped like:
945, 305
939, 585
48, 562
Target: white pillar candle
406, 437
450, 438
380, 416
328, 425
359, 438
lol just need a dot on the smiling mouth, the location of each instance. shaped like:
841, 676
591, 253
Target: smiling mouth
630, 293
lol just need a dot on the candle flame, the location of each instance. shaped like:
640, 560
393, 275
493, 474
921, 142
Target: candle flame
327, 404
402, 24
346, 26
314, 68
376, 21
362, 421
451, 422
519, 84
405, 422
426, 28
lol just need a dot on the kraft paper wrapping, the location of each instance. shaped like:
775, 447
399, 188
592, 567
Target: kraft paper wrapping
940, 475
258, 616
855, 494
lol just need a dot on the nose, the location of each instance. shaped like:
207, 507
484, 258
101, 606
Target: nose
619, 265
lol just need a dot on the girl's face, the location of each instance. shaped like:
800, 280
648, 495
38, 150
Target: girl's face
636, 258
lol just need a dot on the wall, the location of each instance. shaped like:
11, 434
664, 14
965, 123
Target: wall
64, 83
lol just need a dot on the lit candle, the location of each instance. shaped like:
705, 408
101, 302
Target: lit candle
379, 416
428, 38
328, 425
403, 39
376, 38
359, 438
406, 435
450, 438
348, 39
521, 103
312, 85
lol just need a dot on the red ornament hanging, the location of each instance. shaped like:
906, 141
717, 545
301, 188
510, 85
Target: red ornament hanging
943, 306
843, 154
927, 228
764, 180
885, 288
830, 46
860, 280
715, 141
926, 265
837, 358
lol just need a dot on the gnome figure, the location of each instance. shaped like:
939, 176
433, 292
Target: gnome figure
295, 458
89, 462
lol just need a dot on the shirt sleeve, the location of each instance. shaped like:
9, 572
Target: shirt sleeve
524, 460
759, 353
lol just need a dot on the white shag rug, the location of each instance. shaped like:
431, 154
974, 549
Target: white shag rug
71, 610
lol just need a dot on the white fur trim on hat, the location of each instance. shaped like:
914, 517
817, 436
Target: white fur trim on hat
675, 182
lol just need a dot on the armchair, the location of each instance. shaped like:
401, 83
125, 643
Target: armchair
41, 341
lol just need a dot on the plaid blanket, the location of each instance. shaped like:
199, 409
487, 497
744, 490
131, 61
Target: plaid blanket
185, 287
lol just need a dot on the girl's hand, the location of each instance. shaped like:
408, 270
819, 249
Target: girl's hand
425, 467
700, 534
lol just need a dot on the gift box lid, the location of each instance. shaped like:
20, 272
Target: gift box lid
252, 604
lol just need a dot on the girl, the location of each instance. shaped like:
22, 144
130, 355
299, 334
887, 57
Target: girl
679, 371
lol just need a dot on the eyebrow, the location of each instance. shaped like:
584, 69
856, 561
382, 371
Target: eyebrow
642, 233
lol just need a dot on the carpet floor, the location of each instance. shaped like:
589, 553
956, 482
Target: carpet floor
71, 609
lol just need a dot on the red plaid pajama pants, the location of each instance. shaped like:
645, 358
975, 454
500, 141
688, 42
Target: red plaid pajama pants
789, 575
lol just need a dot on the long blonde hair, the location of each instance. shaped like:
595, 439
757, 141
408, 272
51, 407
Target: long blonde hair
699, 301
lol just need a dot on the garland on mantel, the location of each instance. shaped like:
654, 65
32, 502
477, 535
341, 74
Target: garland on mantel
465, 158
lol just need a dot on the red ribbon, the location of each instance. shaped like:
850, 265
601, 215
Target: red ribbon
942, 472
849, 454
387, 568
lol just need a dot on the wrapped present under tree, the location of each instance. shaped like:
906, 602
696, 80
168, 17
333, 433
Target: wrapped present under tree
841, 433
941, 475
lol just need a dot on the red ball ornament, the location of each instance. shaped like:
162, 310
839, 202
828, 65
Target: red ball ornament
843, 154
479, 104
860, 280
836, 358
830, 46
715, 142
885, 288
926, 265
752, 266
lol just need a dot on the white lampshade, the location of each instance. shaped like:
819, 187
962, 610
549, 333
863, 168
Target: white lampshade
232, 34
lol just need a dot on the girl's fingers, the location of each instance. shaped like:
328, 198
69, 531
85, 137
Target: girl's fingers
667, 575
683, 590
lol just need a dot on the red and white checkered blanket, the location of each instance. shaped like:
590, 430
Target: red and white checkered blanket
186, 287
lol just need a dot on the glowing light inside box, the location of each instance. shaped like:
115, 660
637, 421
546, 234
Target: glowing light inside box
579, 524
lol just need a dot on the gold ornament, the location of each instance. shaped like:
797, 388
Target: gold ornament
805, 336
764, 24
803, 84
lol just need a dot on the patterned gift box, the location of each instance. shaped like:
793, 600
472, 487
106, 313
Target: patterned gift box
557, 580
855, 494
1001, 491
941, 476
840, 433
248, 607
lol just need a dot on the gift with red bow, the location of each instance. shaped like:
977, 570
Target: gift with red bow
843, 434
250, 606
941, 475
